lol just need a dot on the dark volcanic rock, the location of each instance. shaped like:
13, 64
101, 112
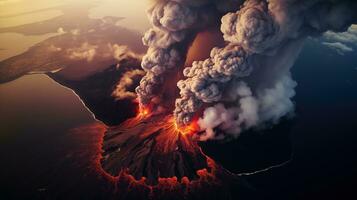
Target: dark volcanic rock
148, 158
96, 92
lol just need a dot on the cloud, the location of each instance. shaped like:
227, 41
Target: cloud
339, 47
75, 31
60, 30
121, 52
349, 36
128, 79
109, 51
85, 52
53, 48
342, 42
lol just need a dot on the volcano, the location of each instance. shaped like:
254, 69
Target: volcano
149, 157
152, 147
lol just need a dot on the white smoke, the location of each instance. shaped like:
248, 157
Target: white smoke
268, 105
276, 102
260, 99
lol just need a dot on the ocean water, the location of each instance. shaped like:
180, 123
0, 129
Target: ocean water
23, 43
44, 156
321, 137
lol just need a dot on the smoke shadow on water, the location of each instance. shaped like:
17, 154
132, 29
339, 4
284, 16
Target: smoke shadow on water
254, 150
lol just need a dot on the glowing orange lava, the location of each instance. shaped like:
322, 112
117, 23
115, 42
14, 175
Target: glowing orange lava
188, 129
144, 112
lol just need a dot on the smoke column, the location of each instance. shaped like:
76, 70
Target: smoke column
175, 23
247, 83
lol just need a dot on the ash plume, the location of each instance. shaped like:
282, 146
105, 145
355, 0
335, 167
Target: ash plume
171, 22
175, 23
248, 82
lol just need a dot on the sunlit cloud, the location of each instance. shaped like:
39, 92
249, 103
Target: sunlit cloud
341, 42
339, 47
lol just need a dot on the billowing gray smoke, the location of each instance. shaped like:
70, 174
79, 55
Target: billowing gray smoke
175, 23
172, 23
248, 83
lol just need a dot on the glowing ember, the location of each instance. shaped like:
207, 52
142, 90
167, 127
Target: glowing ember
144, 112
190, 129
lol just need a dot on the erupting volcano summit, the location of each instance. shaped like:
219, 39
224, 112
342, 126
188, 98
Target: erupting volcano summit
154, 148
242, 84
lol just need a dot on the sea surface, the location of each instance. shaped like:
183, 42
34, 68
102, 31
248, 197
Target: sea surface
13, 44
45, 153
